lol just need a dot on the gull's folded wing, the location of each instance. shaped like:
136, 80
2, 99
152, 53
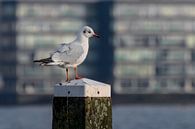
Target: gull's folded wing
68, 53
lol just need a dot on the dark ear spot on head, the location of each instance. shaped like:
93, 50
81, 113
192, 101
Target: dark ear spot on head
84, 31
89, 31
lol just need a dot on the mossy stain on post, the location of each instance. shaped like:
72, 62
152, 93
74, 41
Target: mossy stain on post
82, 113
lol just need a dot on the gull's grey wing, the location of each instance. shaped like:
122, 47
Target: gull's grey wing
68, 53
63, 47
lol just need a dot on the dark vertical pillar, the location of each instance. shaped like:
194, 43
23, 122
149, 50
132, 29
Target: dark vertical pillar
8, 50
105, 46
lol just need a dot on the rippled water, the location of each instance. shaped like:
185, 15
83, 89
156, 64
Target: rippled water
27, 117
154, 117
124, 117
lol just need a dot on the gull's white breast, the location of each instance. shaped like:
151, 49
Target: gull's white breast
80, 60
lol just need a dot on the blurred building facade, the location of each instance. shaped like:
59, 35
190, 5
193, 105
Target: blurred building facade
145, 47
154, 46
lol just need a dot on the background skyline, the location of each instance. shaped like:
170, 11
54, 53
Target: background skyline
145, 47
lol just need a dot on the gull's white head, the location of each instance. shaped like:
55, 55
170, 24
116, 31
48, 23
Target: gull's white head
88, 32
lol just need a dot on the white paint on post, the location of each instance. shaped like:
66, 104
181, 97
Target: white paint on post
82, 88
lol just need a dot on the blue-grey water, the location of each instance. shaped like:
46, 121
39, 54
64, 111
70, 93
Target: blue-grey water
124, 117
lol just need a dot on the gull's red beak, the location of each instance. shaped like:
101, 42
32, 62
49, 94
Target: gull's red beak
96, 35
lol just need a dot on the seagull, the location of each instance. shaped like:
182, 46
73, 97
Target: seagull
71, 55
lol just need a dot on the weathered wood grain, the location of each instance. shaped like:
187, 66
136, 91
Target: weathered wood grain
82, 113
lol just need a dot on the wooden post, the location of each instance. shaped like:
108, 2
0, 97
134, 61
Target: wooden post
82, 104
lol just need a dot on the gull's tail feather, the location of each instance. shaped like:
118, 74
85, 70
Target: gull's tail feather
44, 61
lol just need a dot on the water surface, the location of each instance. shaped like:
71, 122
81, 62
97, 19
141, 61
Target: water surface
124, 117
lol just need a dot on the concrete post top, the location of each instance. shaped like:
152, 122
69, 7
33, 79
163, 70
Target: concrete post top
82, 88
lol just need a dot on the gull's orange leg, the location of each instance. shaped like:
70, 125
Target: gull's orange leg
67, 77
76, 73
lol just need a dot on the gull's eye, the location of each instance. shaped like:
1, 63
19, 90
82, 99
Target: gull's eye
89, 31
